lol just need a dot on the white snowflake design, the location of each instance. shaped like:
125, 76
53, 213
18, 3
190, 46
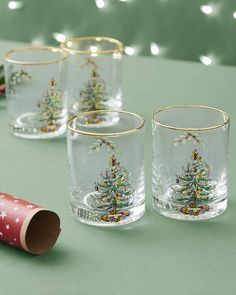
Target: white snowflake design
3, 214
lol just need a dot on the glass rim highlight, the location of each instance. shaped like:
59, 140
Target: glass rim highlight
225, 117
119, 45
76, 130
46, 48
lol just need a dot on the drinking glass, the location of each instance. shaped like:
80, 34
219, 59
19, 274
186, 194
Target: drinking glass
190, 167
94, 73
35, 90
106, 168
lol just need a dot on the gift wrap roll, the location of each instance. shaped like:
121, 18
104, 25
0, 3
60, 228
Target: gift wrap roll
26, 225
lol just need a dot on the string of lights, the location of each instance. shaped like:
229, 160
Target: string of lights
153, 47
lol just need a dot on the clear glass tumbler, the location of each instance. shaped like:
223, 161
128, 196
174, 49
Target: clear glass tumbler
35, 89
106, 168
190, 168
94, 73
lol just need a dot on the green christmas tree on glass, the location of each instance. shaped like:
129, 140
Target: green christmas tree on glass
114, 192
94, 95
50, 109
194, 186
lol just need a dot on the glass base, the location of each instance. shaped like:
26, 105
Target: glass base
96, 120
27, 126
107, 219
185, 212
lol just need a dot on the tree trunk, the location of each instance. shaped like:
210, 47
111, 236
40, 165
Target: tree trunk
114, 207
194, 200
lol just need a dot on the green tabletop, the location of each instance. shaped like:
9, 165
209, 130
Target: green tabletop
156, 255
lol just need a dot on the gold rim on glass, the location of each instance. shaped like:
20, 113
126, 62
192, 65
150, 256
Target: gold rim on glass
119, 45
225, 117
48, 48
105, 134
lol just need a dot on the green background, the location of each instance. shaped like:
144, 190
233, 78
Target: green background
179, 27
156, 255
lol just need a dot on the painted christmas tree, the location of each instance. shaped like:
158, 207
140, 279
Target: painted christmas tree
94, 95
114, 192
50, 108
194, 186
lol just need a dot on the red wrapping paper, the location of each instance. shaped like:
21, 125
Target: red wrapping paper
15, 216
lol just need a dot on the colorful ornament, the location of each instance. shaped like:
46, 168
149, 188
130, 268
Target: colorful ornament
194, 155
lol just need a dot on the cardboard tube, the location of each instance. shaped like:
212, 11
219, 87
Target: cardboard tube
27, 226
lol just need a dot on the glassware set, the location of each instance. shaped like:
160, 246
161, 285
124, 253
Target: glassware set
80, 84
